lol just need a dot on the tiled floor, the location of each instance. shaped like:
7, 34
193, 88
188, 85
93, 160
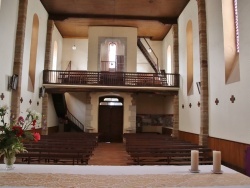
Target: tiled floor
111, 154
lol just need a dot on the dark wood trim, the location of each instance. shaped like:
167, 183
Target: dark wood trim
167, 131
190, 137
62, 17
52, 130
232, 153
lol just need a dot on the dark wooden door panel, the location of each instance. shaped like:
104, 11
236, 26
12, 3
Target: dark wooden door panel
104, 127
116, 123
110, 123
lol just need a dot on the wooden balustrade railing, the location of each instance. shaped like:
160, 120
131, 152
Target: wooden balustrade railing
110, 78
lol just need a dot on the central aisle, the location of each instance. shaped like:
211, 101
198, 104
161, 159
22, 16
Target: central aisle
109, 154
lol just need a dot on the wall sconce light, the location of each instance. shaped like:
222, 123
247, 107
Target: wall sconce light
13, 82
41, 91
74, 47
199, 87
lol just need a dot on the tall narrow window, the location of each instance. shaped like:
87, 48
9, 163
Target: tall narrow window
231, 40
236, 22
112, 55
169, 60
189, 37
54, 65
33, 53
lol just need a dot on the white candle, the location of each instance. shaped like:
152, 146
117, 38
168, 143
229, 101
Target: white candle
194, 160
216, 161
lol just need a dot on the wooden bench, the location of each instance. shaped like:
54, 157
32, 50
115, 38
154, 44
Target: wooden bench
163, 150
55, 156
60, 148
169, 156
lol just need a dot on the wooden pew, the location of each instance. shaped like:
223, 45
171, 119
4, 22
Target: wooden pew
162, 150
169, 157
48, 155
57, 148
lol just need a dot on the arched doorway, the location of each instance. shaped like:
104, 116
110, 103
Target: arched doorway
110, 119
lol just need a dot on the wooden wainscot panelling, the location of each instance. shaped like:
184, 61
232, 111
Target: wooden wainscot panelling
167, 130
190, 137
232, 153
36, 130
52, 130
39, 130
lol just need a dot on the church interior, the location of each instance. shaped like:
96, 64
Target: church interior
129, 93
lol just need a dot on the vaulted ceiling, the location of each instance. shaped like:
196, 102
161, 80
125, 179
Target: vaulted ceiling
152, 18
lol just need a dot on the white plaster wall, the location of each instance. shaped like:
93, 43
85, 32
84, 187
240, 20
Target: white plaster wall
8, 24
143, 64
96, 31
52, 119
126, 112
9, 9
56, 36
157, 48
78, 57
34, 7
169, 105
154, 104
189, 117
76, 104
228, 120
167, 41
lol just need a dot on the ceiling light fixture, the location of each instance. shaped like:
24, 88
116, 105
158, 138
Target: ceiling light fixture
74, 46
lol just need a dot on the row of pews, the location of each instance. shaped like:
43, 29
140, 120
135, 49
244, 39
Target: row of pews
158, 149
60, 148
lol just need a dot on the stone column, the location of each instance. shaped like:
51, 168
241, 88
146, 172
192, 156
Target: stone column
88, 114
132, 117
18, 58
203, 137
176, 48
48, 49
47, 65
175, 131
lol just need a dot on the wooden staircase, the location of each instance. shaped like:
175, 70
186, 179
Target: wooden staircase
147, 55
73, 124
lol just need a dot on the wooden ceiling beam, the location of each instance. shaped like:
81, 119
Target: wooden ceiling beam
62, 17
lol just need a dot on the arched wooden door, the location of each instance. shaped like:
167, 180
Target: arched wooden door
110, 119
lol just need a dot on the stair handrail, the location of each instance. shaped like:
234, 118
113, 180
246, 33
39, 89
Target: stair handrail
72, 118
69, 66
153, 53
